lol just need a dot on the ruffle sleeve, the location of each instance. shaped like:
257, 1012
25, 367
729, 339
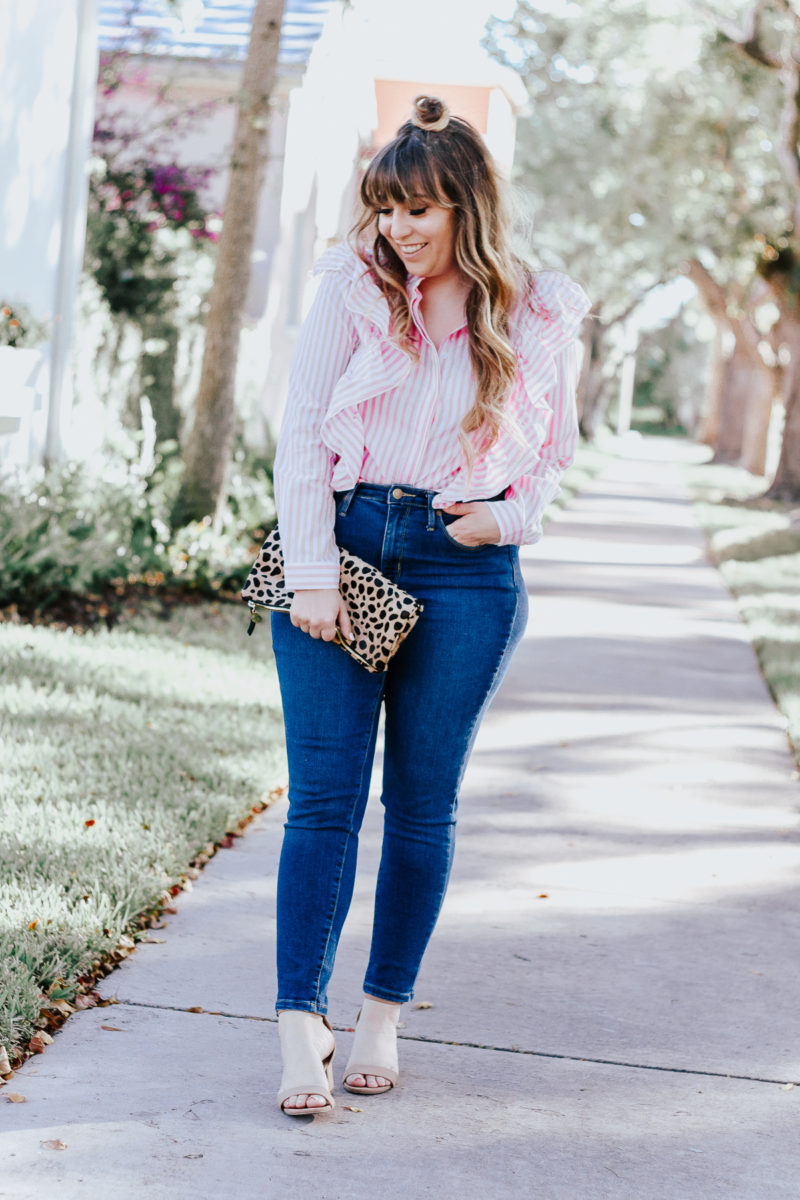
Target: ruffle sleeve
364, 300
556, 306
543, 325
549, 319
377, 366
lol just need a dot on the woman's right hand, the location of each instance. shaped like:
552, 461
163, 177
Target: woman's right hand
318, 612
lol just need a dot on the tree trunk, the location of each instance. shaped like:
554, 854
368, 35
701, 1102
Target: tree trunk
211, 439
786, 484
709, 424
757, 416
739, 379
587, 335
741, 390
591, 382
782, 280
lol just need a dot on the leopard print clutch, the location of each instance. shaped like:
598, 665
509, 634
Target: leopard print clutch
381, 613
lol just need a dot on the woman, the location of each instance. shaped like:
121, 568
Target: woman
430, 415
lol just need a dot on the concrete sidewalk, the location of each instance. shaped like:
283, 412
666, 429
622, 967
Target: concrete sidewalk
612, 992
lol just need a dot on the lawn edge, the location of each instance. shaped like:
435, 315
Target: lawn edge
54, 1014
698, 497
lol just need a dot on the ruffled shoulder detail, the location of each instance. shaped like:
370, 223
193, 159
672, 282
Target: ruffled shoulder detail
377, 365
364, 297
341, 259
547, 319
556, 306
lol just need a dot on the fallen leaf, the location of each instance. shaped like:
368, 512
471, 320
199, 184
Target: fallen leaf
61, 1006
85, 1001
113, 1029
154, 941
16, 1098
36, 1044
543, 896
194, 1008
5, 1065
45, 1036
787, 1087
424, 1004
54, 1144
352, 1108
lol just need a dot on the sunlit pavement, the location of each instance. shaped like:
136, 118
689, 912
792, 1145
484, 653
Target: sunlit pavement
609, 1007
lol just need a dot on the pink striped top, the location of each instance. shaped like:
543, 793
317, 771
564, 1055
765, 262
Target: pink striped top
360, 409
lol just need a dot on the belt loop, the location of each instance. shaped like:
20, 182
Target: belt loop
431, 511
343, 507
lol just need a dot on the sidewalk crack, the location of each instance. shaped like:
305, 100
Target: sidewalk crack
432, 1041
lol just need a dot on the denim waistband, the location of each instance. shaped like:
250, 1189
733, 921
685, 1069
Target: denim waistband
396, 493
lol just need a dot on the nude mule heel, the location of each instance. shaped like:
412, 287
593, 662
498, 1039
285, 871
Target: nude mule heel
374, 1047
305, 1071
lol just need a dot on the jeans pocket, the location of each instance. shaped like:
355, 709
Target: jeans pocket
483, 546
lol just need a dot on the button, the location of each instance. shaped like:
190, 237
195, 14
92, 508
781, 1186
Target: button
397, 493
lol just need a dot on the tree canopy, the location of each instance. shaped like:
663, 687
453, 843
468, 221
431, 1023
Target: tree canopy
650, 141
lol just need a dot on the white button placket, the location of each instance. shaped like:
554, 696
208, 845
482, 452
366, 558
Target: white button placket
424, 424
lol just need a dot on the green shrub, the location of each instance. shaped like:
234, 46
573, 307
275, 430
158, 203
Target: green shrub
70, 529
77, 529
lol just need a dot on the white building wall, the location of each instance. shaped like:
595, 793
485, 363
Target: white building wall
48, 67
330, 122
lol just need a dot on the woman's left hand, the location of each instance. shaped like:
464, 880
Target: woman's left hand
476, 525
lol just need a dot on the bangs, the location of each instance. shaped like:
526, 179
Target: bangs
401, 173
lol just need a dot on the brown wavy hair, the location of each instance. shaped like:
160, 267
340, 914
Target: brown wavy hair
443, 159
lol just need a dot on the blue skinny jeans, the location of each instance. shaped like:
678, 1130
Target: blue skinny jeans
437, 688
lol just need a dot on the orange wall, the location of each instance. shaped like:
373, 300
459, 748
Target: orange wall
395, 98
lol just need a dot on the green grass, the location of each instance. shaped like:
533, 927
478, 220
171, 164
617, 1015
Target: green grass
756, 545
123, 756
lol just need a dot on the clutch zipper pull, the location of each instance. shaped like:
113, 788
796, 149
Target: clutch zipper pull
255, 617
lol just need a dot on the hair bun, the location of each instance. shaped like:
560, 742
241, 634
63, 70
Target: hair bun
430, 113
